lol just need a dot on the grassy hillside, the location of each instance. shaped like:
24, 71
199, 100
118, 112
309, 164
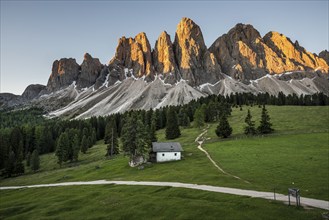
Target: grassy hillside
140, 202
295, 155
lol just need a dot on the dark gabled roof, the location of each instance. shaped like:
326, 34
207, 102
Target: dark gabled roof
166, 147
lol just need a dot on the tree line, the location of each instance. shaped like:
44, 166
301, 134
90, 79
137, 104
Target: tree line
25, 135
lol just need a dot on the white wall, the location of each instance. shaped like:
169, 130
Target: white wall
168, 156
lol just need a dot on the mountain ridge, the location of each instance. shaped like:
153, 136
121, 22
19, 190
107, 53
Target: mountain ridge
241, 57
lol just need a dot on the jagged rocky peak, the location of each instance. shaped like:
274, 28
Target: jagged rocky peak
294, 56
164, 58
243, 32
195, 62
235, 52
163, 54
324, 55
90, 71
64, 72
189, 44
32, 91
135, 54
244, 54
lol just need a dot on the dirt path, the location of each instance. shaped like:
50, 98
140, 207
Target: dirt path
200, 139
322, 204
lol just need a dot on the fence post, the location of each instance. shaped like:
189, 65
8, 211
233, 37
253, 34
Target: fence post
274, 194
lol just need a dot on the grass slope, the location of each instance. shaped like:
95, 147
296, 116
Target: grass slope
139, 202
297, 152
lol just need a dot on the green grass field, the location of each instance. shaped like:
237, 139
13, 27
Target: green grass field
295, 155
139, 202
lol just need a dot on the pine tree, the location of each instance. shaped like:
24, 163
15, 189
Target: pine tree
19, 167
135, 139
93, 136
250, 128
10, 165
199, 117
188, 123
75, 147
224, 129
128, 136
4, 148
16, 142
111, 125
90, 142
84, 144
35, 160
265, 126
142, 141
172, 129
148, 117
111, 138
62, 148
153, 137
28, 159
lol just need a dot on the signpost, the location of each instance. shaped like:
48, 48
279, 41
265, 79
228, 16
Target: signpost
294, 192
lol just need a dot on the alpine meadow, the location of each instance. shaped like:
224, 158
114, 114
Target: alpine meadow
172, 127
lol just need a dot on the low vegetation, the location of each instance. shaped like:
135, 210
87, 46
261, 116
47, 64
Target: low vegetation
294, 155
140, 202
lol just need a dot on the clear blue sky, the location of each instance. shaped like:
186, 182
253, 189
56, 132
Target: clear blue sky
35, 33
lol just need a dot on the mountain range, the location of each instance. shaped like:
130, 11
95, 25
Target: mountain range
176, 72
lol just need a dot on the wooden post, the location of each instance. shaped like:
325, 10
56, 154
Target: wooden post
289, 197
297, 201
274, 194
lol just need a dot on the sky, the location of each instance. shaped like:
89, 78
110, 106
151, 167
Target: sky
36, 33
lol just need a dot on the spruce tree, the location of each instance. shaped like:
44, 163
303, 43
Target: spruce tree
142, 141
148, 117
75, 148
35, 160
28, 159
199, 117
224, 129
111, 138
10, 165
172, 129
84, 144
111, 125
265, 126
4, 151
93, 136
16, 142
90, 142
135, 139
250, 128
62, 148
128, 136
153, 137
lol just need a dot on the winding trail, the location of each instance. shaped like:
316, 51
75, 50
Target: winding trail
322, 204
200, 139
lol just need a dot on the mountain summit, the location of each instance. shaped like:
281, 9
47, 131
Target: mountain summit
175, 72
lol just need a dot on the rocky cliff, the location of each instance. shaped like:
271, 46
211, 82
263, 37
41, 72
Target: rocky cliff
33, 91
90, 71
242, 53
135, 54
245, 55
196, 64
173, 72
64, 72
324, 55
164, 59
